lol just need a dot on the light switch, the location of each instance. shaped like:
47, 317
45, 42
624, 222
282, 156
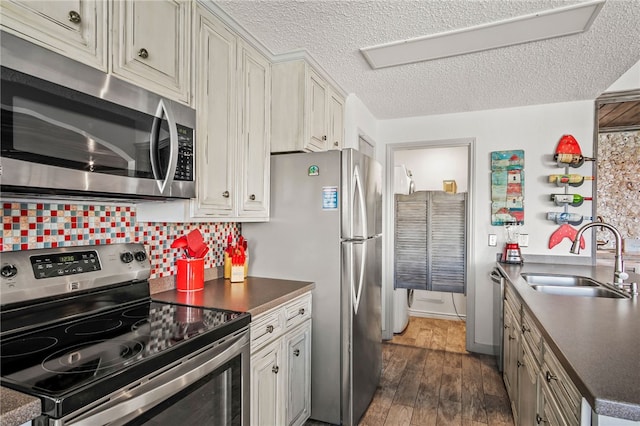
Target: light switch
493, 240
523, 240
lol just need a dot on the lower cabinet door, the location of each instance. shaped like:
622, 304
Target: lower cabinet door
267, 386
298, 350
527, 394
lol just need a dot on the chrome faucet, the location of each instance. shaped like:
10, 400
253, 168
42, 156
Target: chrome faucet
619, 275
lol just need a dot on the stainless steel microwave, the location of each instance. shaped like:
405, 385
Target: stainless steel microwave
71, 130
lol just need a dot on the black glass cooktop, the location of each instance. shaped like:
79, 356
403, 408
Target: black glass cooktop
94, 350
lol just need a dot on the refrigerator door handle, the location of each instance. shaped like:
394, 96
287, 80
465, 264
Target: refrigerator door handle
356, 190
357, 293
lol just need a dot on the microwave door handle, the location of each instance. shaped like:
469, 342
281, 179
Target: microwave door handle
154, 149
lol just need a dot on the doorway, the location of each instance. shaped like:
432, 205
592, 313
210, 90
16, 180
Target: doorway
617, 149
431, 163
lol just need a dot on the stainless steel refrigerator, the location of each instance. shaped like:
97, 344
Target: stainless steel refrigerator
325, 226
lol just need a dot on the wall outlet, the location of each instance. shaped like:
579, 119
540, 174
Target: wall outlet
523, 240
493, 240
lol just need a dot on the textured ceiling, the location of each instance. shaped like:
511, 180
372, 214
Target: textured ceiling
577, 67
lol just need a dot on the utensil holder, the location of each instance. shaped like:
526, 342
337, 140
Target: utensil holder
190, 274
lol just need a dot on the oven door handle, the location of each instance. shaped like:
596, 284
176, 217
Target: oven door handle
158, 393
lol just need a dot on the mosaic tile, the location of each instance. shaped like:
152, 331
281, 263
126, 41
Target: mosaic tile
50, 225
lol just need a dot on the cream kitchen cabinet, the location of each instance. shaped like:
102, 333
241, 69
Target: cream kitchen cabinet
76, 29
307, 113
233, 93
539, 389
143, 42
336, 120
232, 99
267, 387
151, 45
281, 364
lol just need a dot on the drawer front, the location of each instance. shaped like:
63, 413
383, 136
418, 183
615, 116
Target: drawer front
513, 302
562, 388
530, 362
266, 328
532, 336
551, 415
297, 311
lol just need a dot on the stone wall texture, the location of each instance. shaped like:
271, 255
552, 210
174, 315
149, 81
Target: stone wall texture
618, 184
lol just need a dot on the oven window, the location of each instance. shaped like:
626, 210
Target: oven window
215, 400
48, 124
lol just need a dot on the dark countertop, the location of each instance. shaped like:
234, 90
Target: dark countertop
253, 295
597, 340
17, 408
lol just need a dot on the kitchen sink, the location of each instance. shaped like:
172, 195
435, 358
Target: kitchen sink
585, 291
570, 285
557, 280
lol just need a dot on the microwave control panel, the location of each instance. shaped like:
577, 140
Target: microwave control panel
184, 168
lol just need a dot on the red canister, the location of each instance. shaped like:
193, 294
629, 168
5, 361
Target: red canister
190, 274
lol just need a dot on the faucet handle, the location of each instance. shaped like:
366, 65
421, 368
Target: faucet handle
622, 275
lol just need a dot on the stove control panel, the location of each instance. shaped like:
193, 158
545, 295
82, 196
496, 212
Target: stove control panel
27, 275
69, 263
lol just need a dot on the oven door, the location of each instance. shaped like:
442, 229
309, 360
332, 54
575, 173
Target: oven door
209, 388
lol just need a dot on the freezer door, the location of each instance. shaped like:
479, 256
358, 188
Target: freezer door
361, 195
361, 326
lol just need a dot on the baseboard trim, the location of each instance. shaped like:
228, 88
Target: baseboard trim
482, 348
437, 315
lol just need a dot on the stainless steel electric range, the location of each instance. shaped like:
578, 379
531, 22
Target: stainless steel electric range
81, 332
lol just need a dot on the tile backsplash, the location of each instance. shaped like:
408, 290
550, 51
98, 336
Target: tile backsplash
48, 225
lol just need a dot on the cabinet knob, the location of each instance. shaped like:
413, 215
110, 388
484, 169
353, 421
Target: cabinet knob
550, 377
296, 352
301, 311
519, 363
275, 369
540, 419
505, 326
225, 194
525, 329
336, 143
252, 197
74, 17
269, 329
512, 338
143, 53
324, 138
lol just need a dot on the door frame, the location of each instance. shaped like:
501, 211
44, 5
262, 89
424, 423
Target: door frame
389, 214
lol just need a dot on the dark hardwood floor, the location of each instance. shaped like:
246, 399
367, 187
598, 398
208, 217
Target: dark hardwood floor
428, 379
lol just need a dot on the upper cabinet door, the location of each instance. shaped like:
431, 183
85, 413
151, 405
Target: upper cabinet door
216, 96
255, 130
151, 45
336, 121
76, 29
318, 112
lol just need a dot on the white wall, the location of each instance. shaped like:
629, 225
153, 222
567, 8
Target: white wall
358, 121
431, 166
630, 80
536, 129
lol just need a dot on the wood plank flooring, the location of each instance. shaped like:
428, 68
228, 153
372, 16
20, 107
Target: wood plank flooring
428, 379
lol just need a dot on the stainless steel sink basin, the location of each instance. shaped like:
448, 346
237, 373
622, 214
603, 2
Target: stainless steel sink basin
586, 291
558, 280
